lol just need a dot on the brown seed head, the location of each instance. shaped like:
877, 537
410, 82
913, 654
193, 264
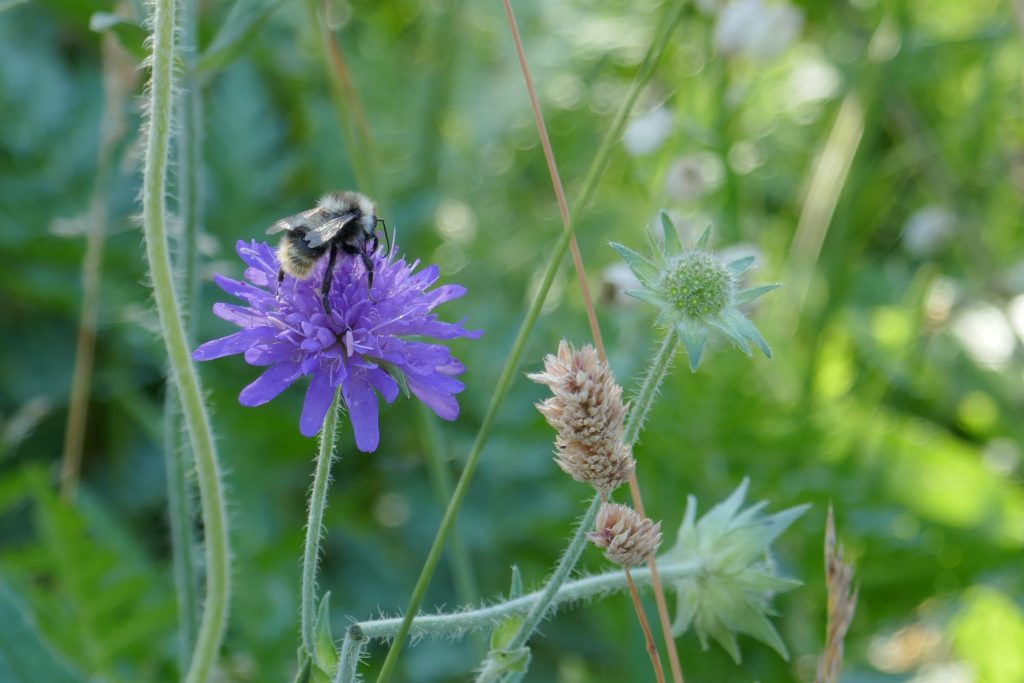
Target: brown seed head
588, 413
627, 538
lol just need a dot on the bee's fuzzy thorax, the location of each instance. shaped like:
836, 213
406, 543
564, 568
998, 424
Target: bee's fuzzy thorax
340, 202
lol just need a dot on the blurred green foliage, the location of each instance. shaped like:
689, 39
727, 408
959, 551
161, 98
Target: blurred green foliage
895, 391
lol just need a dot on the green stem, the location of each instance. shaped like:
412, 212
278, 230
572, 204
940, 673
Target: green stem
348, 660
656, 372
593, 177
483, 618
178, 459
314, 527
154, 187
491, 670
466, 589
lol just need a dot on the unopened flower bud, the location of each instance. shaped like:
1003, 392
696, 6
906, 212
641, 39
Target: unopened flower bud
627, 538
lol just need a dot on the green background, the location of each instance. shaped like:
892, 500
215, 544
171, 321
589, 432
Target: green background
896, 389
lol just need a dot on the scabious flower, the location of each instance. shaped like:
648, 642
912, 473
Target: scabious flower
588, 415
696, 292
732, 592
627, 537
368, 344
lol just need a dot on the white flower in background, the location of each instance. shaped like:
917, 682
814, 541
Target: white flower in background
1015, 309
759, 29
927, 230
647, 133
616, 279
814, 79
694, 175
710, 6
985, 334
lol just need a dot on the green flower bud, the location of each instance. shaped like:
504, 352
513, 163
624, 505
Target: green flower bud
697, 284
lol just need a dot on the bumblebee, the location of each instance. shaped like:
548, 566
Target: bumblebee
341, 221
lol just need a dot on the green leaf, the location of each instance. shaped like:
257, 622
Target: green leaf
745, 296
504, 632
517, 660
242, 23
326, 651
516, 588
24, 653
131, 36
645, 271
673, 245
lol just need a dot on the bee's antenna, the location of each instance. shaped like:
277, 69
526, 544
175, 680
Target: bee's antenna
387, 239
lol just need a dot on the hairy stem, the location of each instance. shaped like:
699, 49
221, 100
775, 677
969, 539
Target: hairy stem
597, 168
570, 592
178, 460
658, 368
154, 219
314, 528
540, 607
351, 649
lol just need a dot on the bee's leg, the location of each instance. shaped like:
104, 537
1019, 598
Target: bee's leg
368, 264
325, 288
280, 278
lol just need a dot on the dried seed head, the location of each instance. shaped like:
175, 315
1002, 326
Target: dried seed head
627, 538
588, 413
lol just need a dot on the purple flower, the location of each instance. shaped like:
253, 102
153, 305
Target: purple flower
367, 345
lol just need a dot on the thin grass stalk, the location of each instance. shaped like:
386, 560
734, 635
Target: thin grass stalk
466, 587
652, 650
154, 219
178, 460
593, 178
595, 327
112, 130
314, 527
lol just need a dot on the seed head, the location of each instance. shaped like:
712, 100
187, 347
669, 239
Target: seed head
588, 415
698, 284
627, 538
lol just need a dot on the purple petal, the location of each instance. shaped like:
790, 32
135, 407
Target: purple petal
269, 385
239, 315
362, 411
444, 405
238, 342
384, 383
318, 401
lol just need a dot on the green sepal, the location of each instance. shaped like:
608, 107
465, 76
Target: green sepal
741, 265
746, 328
397, 375
305, 672
326, 651
673, 245
130, 35
745, 296
695, 339
645, 296
705, 239
511, 661
644, 270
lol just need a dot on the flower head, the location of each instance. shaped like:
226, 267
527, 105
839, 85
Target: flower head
697, 292
628, 538
367, 344
732, 592
588, 414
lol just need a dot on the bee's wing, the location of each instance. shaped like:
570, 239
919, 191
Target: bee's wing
292, 222
321, 234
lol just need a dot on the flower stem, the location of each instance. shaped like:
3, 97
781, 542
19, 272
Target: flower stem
314, 528
532, 620
154, 187
641, 406
178, 460
652, 649
351, 649
570, 592
593, 177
